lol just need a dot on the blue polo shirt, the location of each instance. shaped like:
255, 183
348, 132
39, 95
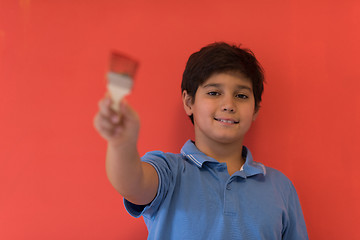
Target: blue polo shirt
198, 199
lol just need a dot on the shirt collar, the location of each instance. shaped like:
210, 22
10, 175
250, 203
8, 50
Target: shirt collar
191, 152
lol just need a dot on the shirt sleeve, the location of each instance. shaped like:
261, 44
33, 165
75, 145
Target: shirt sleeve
164, 167
295, 228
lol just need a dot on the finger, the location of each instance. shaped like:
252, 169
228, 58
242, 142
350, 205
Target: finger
118, 131
103, 124
106, 124
108, 112
108, 134
104, 107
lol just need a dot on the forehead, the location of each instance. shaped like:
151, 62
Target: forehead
233, 79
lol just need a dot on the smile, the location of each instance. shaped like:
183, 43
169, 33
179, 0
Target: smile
226, 121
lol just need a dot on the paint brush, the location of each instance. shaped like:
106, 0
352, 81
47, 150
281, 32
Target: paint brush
120, 77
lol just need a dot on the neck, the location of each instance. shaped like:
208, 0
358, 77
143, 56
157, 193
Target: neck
231, 153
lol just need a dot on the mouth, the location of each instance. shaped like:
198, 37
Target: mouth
226, 120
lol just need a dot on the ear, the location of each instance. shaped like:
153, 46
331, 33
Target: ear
187, 101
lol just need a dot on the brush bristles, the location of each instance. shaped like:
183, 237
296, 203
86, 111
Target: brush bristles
120, 80
121, 64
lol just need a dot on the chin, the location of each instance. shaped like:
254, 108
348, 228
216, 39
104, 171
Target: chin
228, 139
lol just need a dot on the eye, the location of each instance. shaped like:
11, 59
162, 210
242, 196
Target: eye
213, 93
242, 96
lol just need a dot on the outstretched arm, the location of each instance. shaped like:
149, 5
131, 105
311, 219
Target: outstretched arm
133, 179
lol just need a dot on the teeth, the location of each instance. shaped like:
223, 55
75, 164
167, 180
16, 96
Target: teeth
226, 121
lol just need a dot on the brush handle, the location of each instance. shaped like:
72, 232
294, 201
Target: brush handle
117, 93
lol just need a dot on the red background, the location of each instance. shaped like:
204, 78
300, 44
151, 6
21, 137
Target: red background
53, 60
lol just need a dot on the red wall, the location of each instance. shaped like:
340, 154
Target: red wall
53, 59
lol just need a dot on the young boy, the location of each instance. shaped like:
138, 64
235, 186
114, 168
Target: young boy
212, 189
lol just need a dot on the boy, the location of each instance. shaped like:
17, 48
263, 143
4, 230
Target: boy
213, 189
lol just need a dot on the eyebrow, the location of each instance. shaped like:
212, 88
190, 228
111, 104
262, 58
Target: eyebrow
217, 85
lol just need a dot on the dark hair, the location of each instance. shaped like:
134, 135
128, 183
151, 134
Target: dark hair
221, 57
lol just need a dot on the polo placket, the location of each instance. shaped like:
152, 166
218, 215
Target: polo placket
231, 192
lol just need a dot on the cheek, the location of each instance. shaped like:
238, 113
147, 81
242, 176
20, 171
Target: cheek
249, 114
203, 114
200, 113
204, 108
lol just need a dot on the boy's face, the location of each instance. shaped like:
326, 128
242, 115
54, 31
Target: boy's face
223, 109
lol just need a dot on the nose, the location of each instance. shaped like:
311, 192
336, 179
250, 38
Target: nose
228, 105
228, 109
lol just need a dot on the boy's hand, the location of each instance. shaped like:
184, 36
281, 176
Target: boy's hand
117, 128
